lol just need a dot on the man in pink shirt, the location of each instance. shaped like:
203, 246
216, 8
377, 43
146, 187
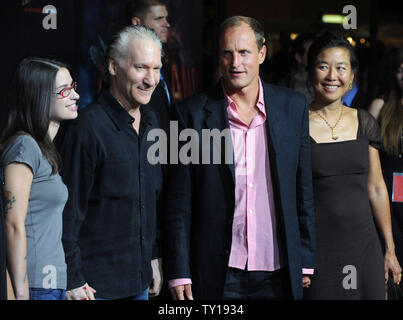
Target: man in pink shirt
244, 228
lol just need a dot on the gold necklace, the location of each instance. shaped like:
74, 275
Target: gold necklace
334, 135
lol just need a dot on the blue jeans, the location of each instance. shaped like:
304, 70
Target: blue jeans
141, 296
46, 294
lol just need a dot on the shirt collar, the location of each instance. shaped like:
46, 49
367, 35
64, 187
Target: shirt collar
260, 101
118, 114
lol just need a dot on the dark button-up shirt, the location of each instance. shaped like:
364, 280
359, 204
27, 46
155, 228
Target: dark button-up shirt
109, 224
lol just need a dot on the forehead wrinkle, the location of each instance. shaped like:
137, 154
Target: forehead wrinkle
144, 56
244, 38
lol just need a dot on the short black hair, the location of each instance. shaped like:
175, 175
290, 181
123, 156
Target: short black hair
329, 40
139, 8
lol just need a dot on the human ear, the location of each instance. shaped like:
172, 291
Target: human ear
136, 21
262, 54
112, 66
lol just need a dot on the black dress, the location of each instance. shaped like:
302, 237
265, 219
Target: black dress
350, 261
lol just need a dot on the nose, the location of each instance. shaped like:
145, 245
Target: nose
331, 75
152, 77
166, 23
74, 94
235, 60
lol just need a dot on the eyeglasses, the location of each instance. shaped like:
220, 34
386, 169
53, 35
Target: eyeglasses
64, 93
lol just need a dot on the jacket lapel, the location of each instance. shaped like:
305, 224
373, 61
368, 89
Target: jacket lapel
272, 120
217, 118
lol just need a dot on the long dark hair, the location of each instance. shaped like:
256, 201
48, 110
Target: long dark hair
391, 114
29, 104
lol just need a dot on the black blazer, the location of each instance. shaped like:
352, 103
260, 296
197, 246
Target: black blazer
201, 198
159, 104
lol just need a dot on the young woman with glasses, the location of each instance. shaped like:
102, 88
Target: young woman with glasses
41, 95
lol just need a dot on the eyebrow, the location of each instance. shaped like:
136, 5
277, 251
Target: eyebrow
160, 17
64, 85
145, 65
323, 61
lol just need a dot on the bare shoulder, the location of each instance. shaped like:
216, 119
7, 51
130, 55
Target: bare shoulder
351, 113
375, 107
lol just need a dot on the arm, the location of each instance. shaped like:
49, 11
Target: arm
156, 262
156, 265
177, 224
78, 167
305, 203
18, 180
375, 107
378, 196
180, 288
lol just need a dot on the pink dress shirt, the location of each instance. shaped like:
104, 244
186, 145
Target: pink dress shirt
254, 234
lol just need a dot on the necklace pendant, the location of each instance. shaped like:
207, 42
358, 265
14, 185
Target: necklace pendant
334, 135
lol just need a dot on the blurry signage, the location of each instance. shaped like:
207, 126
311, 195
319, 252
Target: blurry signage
397, 194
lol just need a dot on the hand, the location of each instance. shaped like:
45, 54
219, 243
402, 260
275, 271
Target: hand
82, 293
306, 281
156, 285
392, 266
177, 292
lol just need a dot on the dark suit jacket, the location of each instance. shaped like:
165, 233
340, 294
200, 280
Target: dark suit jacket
201, 198
160, 105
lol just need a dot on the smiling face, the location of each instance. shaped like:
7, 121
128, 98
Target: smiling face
156, 19
240, 57
64, 108
332, 74
133, 82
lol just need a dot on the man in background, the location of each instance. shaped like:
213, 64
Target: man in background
153, 14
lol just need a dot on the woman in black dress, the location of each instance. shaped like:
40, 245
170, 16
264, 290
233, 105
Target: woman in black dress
351, 199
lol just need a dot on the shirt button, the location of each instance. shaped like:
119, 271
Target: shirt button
250, 211
251, 185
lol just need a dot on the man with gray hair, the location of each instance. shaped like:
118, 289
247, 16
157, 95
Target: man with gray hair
110, 225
